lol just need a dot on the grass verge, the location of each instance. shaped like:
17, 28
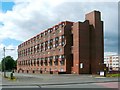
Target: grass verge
113, 75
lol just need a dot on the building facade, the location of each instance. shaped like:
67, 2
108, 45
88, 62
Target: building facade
68, 47
112, 62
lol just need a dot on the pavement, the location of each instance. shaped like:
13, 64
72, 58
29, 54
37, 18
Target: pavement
59, 81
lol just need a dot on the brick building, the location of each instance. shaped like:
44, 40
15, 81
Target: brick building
68, 47
112, 62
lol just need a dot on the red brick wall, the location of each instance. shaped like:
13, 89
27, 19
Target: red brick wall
87, 47
96, 40
76, 45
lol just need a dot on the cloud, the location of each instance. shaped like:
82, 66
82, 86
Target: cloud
29, 18
8, 52
110, 53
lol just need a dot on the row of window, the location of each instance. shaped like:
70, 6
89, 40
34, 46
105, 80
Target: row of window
44, 61
113, 64
116, 64
43, 69
111, 58
41, 47
47, 32
112, 61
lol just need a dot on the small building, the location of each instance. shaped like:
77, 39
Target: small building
112, 62
68, 47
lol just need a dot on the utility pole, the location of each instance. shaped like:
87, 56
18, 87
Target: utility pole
4, 60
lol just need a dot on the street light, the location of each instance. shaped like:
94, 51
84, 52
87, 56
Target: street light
4, 59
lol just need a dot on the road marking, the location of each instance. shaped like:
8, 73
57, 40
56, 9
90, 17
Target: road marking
100, 77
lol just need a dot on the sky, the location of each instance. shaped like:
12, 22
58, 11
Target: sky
22, 19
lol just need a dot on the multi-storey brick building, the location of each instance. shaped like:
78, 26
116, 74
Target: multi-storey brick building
112, 62
68, 47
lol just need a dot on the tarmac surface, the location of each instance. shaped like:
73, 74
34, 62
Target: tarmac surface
59, 81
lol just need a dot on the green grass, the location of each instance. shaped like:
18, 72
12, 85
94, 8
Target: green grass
113, 75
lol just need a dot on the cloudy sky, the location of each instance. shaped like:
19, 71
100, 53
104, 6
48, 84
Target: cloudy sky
23, 19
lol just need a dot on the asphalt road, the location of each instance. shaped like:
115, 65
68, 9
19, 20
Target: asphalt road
59, 81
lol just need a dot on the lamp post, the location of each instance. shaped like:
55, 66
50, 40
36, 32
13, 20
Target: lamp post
4, 49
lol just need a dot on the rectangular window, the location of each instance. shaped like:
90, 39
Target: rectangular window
62, 62
56, 39
60, 37
49, 31
56, 62
63, 43
63, 36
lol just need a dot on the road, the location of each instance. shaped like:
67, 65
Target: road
59, 81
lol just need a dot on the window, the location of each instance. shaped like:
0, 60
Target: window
31, 63
56, 39
51, 46
53, 57
48, 52
62, 62
117, 60
48, 47
46, 33
60, 37
63, 43
48, 41
60, 56
44, 43
46, 61
56, 60
38, 61
60, 31
41, 34
37, 36
63, 56
45, 69
37, 47
63, 36
54, 28
53, 39
41, 62
34, 62
63, 24
50, 61
56, 44
49, 31
53, 33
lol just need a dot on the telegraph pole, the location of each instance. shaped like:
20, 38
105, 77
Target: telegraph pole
4, 62
4, 49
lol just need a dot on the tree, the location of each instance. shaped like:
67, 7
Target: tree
8, 63
0, 66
